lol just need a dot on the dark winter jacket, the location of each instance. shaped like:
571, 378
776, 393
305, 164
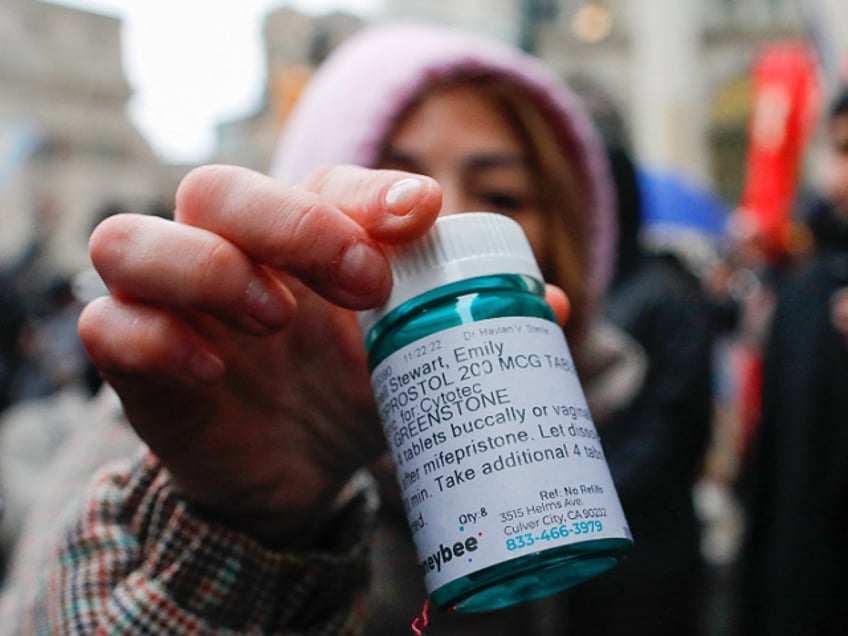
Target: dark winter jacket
795, 556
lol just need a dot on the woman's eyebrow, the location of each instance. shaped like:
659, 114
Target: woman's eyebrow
487, 161
398, 156
478, 162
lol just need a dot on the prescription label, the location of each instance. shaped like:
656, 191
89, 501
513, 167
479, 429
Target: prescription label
496, 451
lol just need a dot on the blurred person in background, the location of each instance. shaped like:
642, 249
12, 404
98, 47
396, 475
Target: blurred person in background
656, 446
53, 391
13, 320
795, 480
53, 354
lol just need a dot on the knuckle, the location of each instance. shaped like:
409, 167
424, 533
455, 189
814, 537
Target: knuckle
214, 258
110, 240
318, 180
194, 187
301, 225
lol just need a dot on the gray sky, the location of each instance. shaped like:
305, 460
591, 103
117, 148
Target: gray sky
194, 62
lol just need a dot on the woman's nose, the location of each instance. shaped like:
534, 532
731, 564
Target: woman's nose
454, 200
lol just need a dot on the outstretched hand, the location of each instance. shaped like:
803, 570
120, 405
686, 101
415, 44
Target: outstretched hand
230, 337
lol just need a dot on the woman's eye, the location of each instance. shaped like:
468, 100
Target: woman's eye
505, 202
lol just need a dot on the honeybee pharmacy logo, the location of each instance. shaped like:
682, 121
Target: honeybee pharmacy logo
461, 549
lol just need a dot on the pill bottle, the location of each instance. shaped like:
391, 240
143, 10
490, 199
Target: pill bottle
503, 478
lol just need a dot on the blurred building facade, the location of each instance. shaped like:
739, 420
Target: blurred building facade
67, 146
679, 71
294, 45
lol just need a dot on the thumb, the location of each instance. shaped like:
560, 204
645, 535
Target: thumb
559, 302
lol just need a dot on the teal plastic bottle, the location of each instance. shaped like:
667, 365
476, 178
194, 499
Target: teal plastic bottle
503, 477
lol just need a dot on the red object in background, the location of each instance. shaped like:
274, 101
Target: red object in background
786, 96
785, 100
750, 390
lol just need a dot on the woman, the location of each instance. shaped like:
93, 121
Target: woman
497, 132
230, 339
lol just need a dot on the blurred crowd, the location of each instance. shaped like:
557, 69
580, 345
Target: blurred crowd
46, 377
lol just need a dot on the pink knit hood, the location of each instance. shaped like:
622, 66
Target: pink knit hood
352, 100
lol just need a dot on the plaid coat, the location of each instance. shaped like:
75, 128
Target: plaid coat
120, 552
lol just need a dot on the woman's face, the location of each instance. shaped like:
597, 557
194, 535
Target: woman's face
459, 137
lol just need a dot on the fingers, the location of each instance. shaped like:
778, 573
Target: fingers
288, 229
148, 259
559, 302
399, 208
326, 233
123, 339
235, 226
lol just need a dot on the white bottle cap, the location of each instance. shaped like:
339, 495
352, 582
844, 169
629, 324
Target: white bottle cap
457, 247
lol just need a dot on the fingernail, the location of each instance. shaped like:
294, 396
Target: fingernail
363, 269
205, 367
403, 194
265, 306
